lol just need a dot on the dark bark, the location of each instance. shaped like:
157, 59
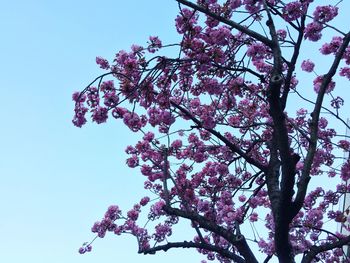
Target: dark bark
189, 244
228, 22
305, 176
281, 210
237, 240
314, 250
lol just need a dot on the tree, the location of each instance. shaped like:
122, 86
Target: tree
231, 140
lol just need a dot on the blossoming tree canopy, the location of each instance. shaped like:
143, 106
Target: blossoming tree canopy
235, 130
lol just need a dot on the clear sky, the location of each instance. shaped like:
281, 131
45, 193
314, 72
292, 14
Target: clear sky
55, 179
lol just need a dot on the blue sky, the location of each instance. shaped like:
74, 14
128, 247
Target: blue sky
55, 179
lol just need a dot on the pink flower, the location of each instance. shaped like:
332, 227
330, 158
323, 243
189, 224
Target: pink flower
149, 136
103, 63
113, 212
136, 48
133, 214
292, 11
107, 86
344, 144
93, 98
325, 13
332, 173
132, 120
78, 97
235, 3
307, 65
208, 122
203, 206
195, 103
337, 102
242, 198
144, 201
345, 171
79, 117
252, 6
318, 82
345, 72
258, 51
100, 115
177, 144
253, 217
313, 31
133, 161
314, 218
146, 170
282, 34
167, 118
332, 47
119, 112
162, 231
157, 209
154, 44
219, 36
266, 247
186, 20
299, 166
111, 99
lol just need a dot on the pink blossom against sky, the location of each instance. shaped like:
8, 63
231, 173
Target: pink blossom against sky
57, 180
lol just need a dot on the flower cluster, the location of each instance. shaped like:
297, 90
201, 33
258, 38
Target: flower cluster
293, 10
321, 15
154, 45
208, 131
325, 14
102, 62
307, 65
80, 110
318, 82
313, 31
345, 72
332, 47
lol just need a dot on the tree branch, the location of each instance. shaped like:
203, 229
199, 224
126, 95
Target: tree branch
292, 63
314, 250
272, 176
280, 136
189, 244
238, 241
217, 134
228, 22
305, 175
